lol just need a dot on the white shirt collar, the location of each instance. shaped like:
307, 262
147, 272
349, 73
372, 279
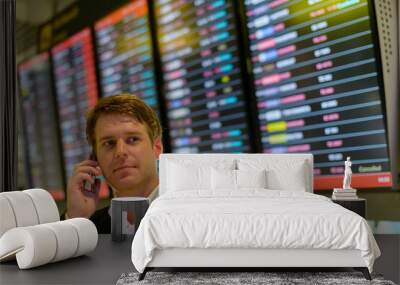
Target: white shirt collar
153, 195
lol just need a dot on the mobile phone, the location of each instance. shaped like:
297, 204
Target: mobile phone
90, 189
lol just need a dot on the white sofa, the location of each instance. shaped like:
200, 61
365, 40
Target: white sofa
295, 171
206, 177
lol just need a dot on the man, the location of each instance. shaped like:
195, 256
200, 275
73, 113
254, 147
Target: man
125, 136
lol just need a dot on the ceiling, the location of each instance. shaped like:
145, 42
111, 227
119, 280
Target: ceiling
39, 11
30, 14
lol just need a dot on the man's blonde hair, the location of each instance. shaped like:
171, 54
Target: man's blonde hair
123, 104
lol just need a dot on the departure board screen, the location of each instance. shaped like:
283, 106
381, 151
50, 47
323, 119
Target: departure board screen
41, 137
76, 87
317, 86
202, 78
125, 53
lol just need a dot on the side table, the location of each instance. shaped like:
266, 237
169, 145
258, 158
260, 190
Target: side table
358, 205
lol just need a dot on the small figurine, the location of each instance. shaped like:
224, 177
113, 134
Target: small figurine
347, 174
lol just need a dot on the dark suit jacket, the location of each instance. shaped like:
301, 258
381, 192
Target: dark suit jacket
102, 220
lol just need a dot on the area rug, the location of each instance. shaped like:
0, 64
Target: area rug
229, 278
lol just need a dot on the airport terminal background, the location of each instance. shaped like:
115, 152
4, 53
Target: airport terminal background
278, 76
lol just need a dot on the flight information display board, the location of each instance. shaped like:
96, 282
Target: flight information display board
125, 53
76, 87
317, 86
202, 78
41, 137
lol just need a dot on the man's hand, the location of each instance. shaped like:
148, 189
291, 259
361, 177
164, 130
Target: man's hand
78, 204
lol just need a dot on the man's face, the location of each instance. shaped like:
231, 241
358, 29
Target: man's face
125, 153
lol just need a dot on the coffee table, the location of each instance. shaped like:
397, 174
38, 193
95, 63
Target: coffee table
104, 265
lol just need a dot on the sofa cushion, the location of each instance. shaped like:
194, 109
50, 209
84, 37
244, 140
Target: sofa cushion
188, 177
193, 174
251, 178
223, 179
280, 174
230, 180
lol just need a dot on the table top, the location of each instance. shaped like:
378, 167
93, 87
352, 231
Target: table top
351, 200
104, 265
110, 259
